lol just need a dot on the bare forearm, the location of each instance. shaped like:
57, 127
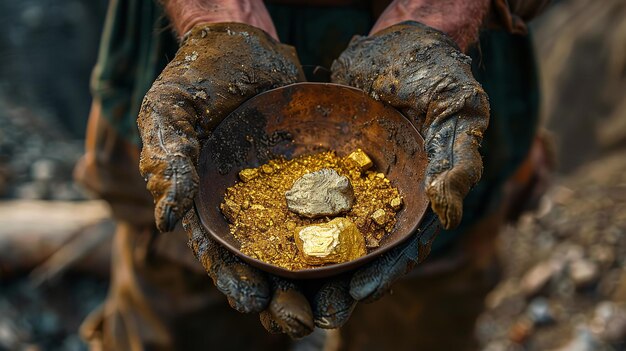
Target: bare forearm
184, 14
460, 19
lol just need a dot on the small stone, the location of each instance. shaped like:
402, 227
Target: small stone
245, 205
538, 277
372, 242
319, 194
539, 311
43, 169
521, 330
263, 226
361, 159
609, 322
583, 272
248, 174
396, 203
267, 169
334, 242
379, 217
230, 210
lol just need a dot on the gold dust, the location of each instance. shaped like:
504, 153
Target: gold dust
261, 222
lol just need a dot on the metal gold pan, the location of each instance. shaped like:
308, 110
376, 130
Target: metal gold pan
307, 118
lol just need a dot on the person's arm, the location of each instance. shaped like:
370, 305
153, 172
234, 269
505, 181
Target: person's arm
459, 19
462, 19
185, 14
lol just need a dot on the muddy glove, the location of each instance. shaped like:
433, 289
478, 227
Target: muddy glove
284, 308
420, 71
217, 67
334, 302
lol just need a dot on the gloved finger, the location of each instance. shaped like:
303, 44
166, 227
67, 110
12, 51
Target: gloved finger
452, 143
169, 153
333, 304
421, 72
269, 323
289, 309
373, 281
341, 68
246, 288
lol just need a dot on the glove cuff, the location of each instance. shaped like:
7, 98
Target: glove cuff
204, 29
421, 30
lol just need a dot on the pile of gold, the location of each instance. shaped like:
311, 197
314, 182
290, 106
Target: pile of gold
268, 230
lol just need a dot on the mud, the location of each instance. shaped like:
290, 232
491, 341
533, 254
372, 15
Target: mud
231, 142
421, 72
217, 67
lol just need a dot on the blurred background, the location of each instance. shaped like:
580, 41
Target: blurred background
565, 276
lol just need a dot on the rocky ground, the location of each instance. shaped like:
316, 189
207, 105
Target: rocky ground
47, 317
565, 268
54, 265
36, 156
47, 51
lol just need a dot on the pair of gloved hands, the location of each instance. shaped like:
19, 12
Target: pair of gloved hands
410, 66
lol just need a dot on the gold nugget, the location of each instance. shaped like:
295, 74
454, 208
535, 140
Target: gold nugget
396, 203
361, 159
334, 242
380, 217
248, 174
230, 209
